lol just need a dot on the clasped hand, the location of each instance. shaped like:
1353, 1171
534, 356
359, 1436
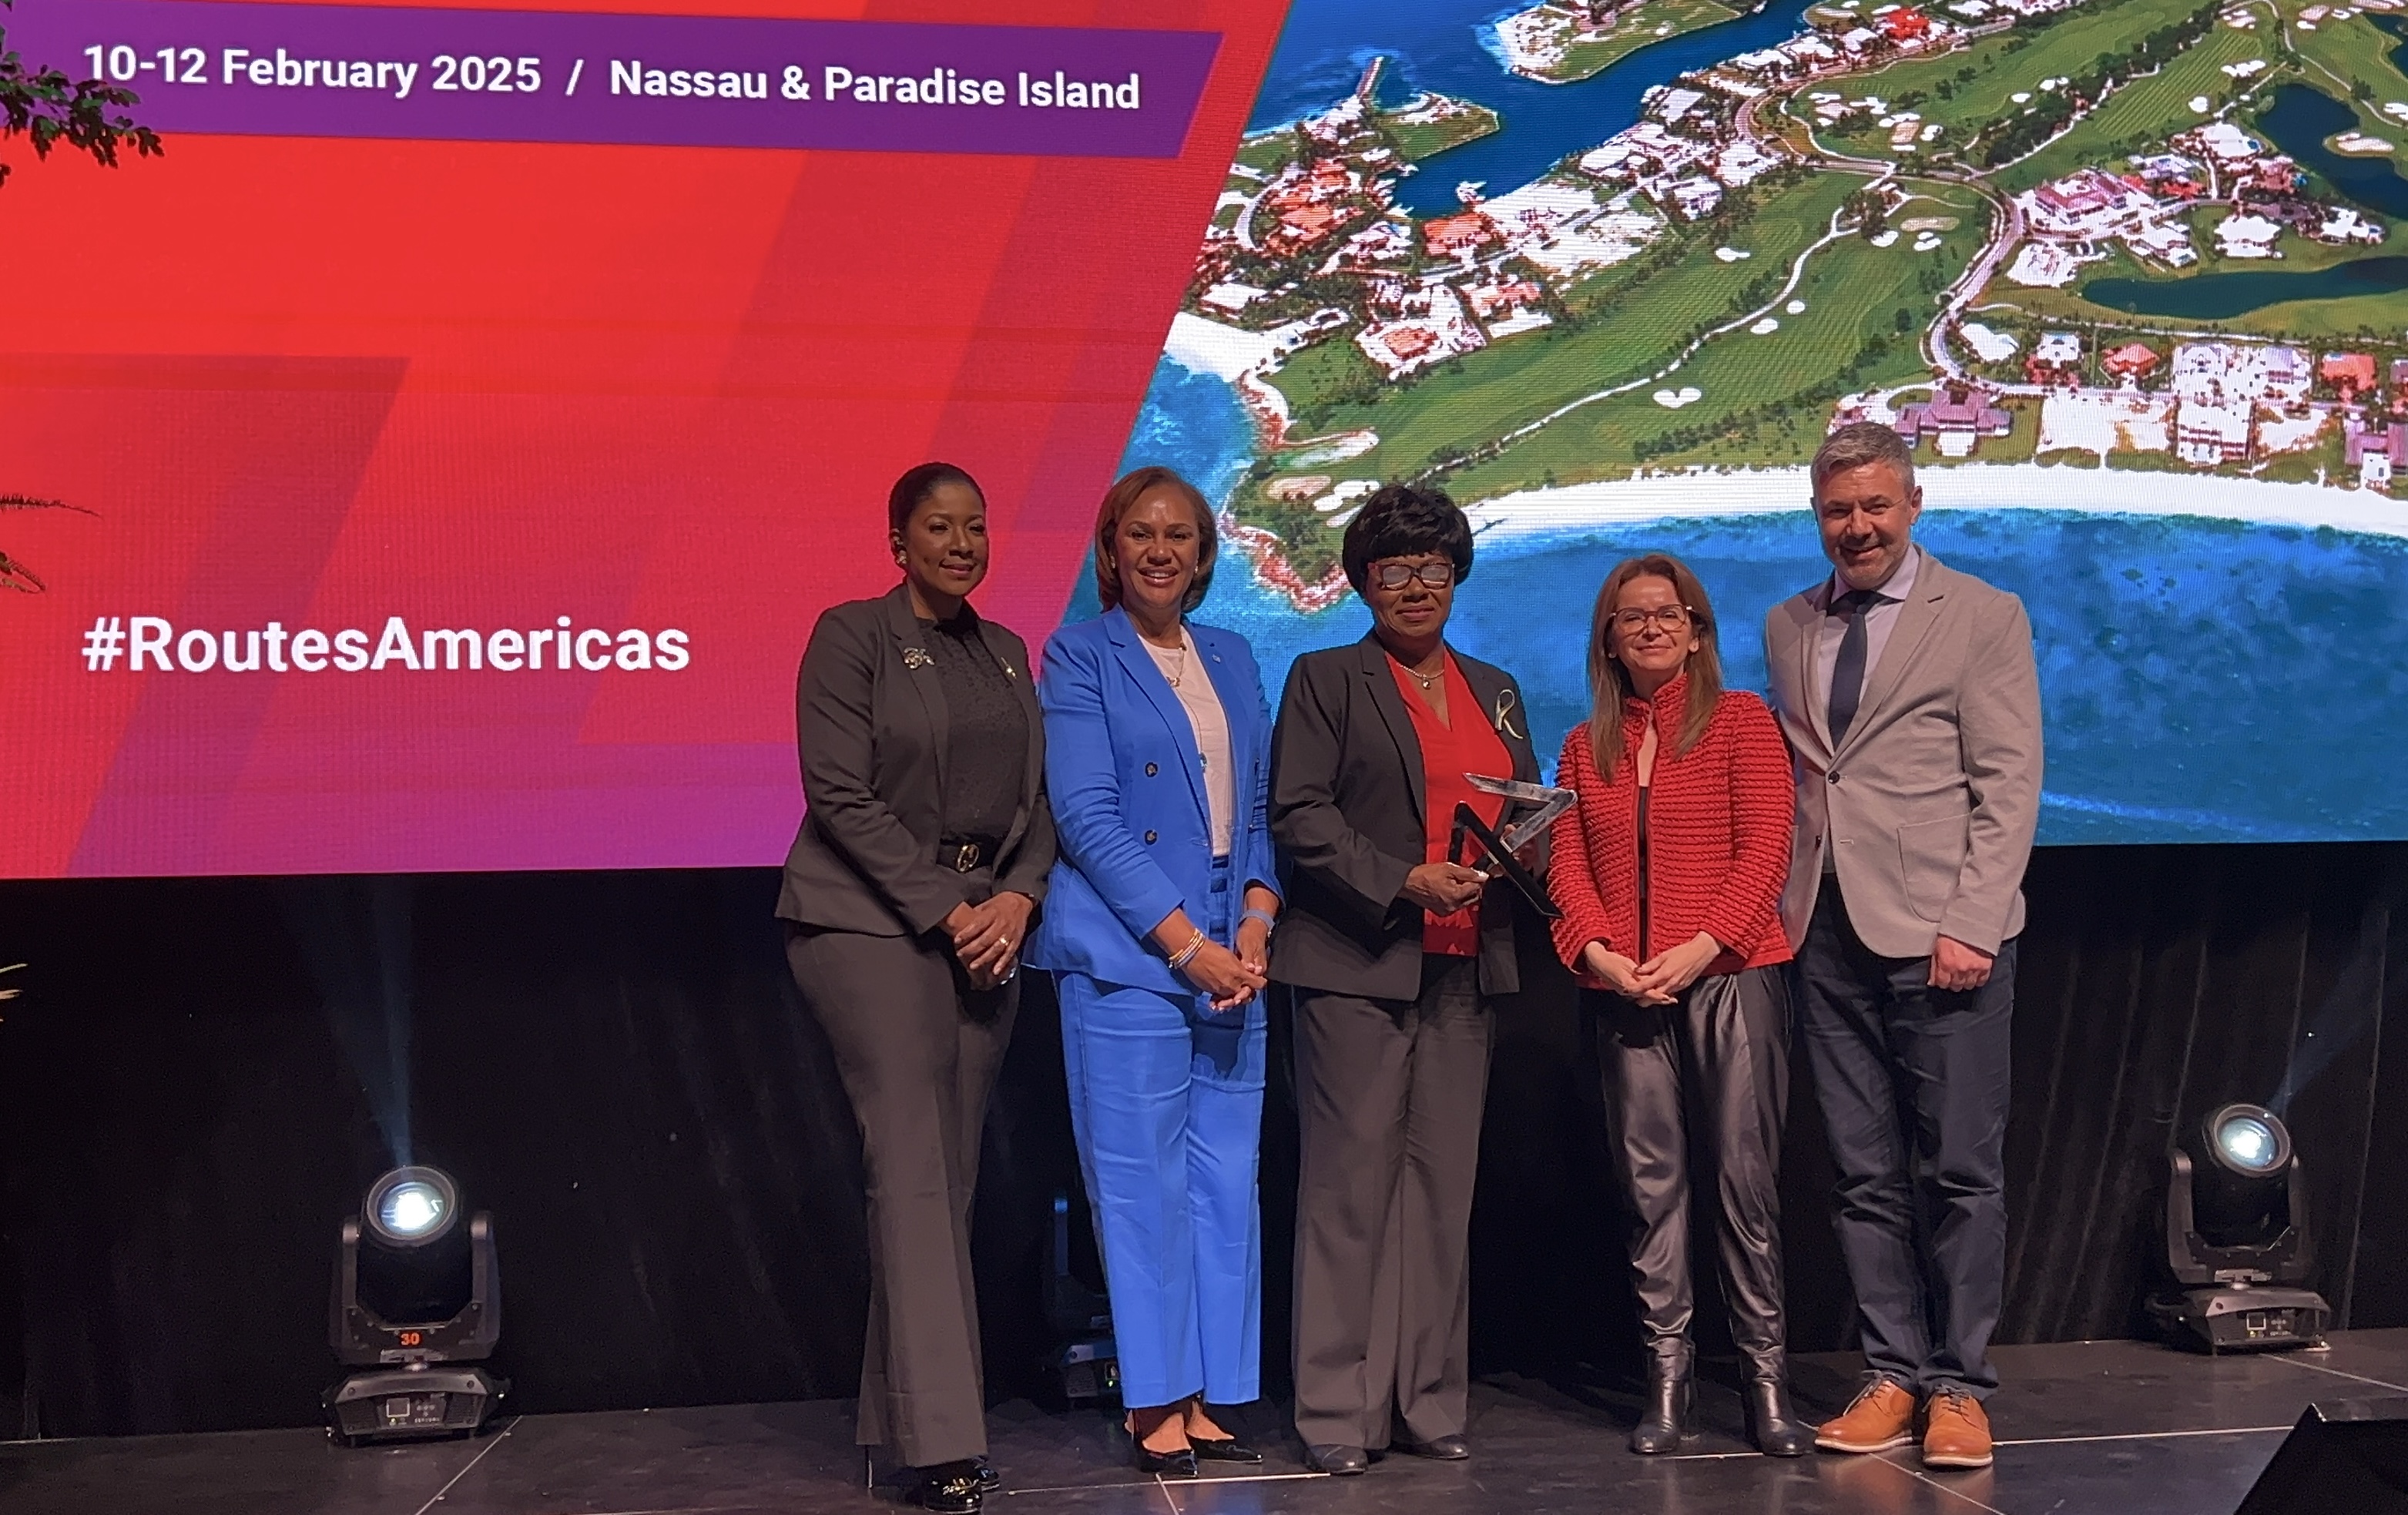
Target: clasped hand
987, 937
1660, 980
1230, 978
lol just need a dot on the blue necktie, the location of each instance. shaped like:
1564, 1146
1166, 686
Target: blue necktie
1848, 674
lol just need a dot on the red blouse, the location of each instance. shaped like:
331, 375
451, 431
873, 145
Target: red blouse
1471, 744
1719, 818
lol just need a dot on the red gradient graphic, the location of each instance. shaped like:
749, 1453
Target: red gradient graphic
488, 385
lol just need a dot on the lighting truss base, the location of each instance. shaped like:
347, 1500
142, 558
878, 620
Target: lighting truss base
413, 1403
2240, 1317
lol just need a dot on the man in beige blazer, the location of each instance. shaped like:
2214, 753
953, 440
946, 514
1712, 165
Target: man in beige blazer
1912, 704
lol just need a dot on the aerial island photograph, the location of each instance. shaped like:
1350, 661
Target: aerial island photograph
2127, 274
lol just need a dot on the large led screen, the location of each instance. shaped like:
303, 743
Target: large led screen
2128, 272
444, 334
442, 342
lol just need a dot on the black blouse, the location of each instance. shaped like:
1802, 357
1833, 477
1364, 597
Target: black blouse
986, 745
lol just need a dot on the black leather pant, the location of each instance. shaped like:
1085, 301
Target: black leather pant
1723, 1050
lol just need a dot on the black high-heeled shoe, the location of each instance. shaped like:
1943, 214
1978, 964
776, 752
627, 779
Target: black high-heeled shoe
948, 1489
1166, 1465
1224, 1450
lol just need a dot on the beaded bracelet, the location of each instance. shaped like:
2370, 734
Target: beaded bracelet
1186, 954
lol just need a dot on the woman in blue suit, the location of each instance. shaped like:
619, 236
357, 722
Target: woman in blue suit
1157, 925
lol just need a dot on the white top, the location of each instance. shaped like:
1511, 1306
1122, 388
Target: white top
1182, 666
1881, 618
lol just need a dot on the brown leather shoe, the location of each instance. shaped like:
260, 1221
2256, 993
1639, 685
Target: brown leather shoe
1881, 1416
1955, 1431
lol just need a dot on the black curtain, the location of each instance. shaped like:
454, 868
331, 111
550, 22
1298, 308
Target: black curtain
203, 1075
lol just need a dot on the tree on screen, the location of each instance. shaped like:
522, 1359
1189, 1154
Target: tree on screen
46, 108
14, 574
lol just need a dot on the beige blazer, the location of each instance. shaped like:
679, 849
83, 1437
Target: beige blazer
1929, 803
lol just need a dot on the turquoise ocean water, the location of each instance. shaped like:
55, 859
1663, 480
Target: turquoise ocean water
2204, 680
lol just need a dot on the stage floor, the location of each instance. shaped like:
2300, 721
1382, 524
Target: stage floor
2124, 1428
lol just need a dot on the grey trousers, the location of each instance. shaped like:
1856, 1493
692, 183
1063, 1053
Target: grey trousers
1725, 1046
1389, 1096
919, 1057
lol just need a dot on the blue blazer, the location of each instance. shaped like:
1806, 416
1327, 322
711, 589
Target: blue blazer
1126, 784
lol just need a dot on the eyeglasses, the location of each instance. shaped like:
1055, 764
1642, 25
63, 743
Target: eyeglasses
1397, 575
1630, 622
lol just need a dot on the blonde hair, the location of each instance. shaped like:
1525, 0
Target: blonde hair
1609, 681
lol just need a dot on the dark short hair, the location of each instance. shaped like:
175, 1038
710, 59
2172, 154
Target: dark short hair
1400, 521
917, 484
1130, 488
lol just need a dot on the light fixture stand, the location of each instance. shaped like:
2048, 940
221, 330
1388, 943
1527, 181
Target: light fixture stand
417, 1315
405, 1404
2238, 1298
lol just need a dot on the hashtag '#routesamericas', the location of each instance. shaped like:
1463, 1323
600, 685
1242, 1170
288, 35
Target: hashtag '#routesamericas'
103, 644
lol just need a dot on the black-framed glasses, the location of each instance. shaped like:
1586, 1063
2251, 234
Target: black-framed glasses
1631, 619
1397, 575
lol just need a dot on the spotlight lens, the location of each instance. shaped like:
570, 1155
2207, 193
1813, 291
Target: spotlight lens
412, 1209
2248, 1141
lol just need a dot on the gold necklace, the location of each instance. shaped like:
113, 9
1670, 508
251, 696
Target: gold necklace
1174, 678
1427, 680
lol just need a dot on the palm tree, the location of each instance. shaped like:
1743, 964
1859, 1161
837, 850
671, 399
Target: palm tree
14, 574
46, 108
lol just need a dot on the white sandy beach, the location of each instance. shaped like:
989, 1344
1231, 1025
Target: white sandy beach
1207, 347
2022, 486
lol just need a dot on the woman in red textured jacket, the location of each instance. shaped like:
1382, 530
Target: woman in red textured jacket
1668, 872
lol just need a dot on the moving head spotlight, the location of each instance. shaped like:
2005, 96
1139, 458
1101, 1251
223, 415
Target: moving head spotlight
416, 1285
2236, 1208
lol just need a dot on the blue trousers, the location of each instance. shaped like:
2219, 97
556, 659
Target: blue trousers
1167, 1104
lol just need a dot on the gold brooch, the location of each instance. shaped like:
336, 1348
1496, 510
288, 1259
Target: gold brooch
1504, 716
916, 657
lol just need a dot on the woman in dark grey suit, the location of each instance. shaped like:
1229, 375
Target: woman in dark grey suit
907, 894
1392, 949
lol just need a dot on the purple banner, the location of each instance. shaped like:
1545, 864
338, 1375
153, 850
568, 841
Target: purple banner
509, 75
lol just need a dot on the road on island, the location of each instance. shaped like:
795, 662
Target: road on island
2006, 222
1747, 127
1797, 272
2006, 229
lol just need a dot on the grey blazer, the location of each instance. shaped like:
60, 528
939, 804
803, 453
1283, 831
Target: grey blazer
1931, 802
1346, 811
872, 727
